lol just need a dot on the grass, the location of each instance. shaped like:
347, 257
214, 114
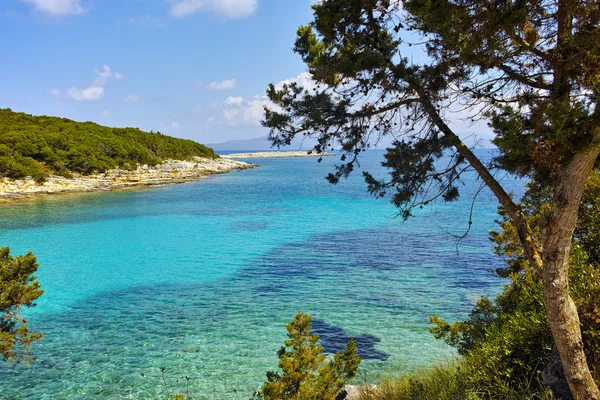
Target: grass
450, 381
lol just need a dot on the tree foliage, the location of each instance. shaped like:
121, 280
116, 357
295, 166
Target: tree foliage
479, 55
587, 232
40, 146
305, 372
18, 288
530, 68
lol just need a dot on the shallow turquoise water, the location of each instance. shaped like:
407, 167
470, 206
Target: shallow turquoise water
200, 279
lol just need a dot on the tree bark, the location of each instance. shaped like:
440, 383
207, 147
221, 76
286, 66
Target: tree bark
557, 232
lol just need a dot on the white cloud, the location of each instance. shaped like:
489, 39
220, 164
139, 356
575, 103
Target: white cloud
242, 114
238, 111
175, 125
106, 114
226, 84
105, 75
234, 100
232, 115
93, 93
57, 8
303, 80
131, 99
229, 9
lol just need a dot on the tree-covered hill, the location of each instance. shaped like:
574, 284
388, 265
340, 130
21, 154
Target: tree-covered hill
39, 146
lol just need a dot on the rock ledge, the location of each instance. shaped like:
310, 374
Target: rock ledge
170, 171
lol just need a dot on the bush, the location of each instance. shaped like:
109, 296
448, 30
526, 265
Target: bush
451, 382
305, 374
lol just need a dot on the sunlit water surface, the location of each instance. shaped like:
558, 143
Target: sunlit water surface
200, 279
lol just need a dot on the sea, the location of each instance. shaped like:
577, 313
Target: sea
187, 288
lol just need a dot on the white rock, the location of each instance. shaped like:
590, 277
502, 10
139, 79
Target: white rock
170, 171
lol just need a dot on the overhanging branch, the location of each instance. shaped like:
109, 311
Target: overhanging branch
514, 211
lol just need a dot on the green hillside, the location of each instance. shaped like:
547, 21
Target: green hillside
40, 146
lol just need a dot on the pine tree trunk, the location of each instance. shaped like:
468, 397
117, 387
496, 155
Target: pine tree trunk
561, 310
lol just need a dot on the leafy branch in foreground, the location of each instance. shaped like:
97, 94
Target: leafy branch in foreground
18, 288
305, 373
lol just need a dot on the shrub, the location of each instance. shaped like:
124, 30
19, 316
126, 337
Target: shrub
305, 373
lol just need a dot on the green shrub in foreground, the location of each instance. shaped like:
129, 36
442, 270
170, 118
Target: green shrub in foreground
505, 343
305, 373
449, 382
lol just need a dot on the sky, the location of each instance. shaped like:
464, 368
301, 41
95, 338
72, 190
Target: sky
195, 69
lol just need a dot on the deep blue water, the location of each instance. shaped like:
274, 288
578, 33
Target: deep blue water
200, 279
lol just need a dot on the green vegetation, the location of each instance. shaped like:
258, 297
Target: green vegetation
18, 288
506, 343
305, 373
517, 314
447, 382
40, 146
531, 70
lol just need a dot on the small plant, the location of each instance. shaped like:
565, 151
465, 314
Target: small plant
305, 373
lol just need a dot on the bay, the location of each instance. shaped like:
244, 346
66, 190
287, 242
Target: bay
200, 279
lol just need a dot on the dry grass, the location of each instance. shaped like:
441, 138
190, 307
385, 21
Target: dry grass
448, 381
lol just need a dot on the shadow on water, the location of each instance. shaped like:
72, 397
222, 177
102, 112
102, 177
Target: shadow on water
334, 339
382, 250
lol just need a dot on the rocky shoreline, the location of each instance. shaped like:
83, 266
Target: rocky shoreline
276, 154
169, 172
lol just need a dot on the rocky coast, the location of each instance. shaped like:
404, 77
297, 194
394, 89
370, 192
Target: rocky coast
170, 171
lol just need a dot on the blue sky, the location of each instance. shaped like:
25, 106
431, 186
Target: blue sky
196, 69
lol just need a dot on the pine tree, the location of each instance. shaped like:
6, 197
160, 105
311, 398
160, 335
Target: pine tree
305, 373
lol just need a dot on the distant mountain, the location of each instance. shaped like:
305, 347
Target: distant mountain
260, 143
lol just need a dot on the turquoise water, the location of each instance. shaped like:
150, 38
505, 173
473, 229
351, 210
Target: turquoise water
200, 279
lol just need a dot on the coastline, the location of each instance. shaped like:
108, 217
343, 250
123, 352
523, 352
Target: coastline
276, 154
169, 172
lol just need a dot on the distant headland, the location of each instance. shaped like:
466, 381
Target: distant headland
277, 154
